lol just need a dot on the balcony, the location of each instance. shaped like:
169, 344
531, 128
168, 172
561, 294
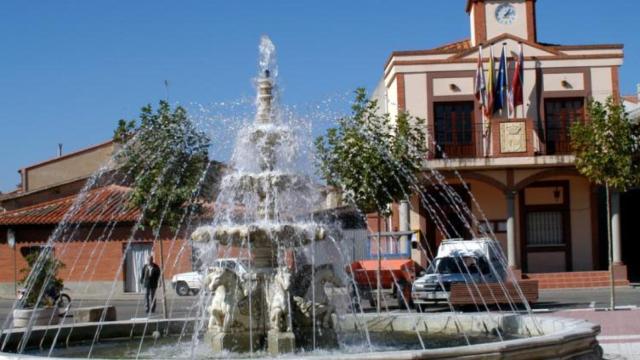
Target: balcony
557, 142
508, 143
458, 144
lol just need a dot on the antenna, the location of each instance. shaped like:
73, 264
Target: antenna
166, 88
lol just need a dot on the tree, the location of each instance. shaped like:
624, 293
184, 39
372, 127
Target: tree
606, 149
164, 157
46, 277
372, 159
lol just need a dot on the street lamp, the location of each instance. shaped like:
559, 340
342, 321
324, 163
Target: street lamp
11, 241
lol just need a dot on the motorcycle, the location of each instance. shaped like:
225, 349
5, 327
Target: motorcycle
55, 295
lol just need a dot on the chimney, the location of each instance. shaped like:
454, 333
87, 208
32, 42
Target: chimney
59, 149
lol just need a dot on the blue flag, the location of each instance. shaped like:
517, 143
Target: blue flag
501, 87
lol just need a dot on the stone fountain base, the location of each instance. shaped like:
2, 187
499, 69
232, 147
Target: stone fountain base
238, 342
280, 342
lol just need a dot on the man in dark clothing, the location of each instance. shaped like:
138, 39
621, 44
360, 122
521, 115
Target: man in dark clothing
149, 279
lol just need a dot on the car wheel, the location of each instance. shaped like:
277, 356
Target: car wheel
182, 289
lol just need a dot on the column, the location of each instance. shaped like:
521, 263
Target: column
511, 230
404, 225
615, 228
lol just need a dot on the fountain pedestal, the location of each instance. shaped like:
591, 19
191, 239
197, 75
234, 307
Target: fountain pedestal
280, 342
232, 341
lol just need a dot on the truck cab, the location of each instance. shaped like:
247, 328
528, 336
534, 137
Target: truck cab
458, 261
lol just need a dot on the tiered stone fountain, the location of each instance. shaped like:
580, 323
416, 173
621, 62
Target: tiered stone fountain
255, 213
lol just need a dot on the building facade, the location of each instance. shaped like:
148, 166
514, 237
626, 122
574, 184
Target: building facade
93, 232
517, 164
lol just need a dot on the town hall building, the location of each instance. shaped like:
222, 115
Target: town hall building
517, 164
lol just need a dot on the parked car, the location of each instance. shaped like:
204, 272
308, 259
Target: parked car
191, 282
458, 261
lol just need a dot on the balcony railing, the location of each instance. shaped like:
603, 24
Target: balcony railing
457, 144
558, 142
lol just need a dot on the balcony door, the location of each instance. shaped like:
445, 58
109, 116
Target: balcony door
560, 114
454, 129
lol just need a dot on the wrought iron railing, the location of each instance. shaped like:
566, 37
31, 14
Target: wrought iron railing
457, 144
558, 141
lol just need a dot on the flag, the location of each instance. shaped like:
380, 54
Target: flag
488, 109
501, 87
517, 92
480, 82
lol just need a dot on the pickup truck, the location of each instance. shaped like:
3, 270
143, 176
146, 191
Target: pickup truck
191, 282
458, 262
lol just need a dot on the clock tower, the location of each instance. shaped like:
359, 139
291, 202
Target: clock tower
491, 18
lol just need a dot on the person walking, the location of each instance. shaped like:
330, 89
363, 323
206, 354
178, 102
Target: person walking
149, 279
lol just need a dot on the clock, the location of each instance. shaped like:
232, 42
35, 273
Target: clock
505, 14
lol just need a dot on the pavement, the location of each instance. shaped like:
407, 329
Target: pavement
620, 336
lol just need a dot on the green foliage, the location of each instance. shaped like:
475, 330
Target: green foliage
164, 156
606, 146
372, 158
48, 270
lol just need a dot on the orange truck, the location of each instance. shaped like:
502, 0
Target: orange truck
396, 278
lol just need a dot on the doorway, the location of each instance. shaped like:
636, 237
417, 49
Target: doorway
449, 219
546, 227
136, 257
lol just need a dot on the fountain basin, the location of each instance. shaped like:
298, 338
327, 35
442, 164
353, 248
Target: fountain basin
526, 337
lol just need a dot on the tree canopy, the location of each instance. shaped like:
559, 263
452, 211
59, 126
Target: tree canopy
606, 146
164, 156
372, 158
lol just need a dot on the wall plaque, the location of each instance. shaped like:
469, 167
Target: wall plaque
513, 137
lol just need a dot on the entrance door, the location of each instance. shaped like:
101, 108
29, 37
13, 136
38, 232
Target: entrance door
546, 227
136, 257
452, 221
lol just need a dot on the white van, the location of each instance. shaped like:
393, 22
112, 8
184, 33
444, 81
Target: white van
458, 261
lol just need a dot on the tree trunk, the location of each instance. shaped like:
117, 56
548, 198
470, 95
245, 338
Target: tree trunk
610, 245
378, 280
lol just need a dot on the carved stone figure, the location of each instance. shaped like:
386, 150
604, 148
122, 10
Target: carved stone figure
323, 308
278, 300
229, 298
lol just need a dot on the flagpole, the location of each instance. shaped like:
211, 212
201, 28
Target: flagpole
483, 95
506, 75
522, 76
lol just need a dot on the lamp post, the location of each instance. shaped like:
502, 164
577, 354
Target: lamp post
11, 241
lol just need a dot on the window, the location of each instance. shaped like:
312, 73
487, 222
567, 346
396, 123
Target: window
454, 129
560, 114
545, 228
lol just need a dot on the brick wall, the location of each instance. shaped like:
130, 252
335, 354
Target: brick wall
88, 259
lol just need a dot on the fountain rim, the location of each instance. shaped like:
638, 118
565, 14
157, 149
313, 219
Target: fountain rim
562, 337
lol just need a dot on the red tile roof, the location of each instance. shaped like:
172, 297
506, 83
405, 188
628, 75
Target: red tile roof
631, 98
99, 205
461, 45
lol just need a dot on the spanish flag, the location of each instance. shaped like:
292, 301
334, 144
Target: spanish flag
517, 96
488, 109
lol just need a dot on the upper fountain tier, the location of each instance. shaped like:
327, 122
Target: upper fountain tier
264, 198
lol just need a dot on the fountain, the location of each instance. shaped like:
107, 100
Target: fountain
279, 306
256, 214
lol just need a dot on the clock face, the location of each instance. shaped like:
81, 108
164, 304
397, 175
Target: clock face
506, 14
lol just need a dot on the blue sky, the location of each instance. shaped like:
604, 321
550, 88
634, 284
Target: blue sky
70, 69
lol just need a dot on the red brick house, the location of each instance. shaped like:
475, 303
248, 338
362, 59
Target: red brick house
98, 244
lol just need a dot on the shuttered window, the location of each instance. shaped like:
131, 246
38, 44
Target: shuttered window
545, 228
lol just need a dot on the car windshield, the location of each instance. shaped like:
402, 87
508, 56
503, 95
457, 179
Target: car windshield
459, 265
